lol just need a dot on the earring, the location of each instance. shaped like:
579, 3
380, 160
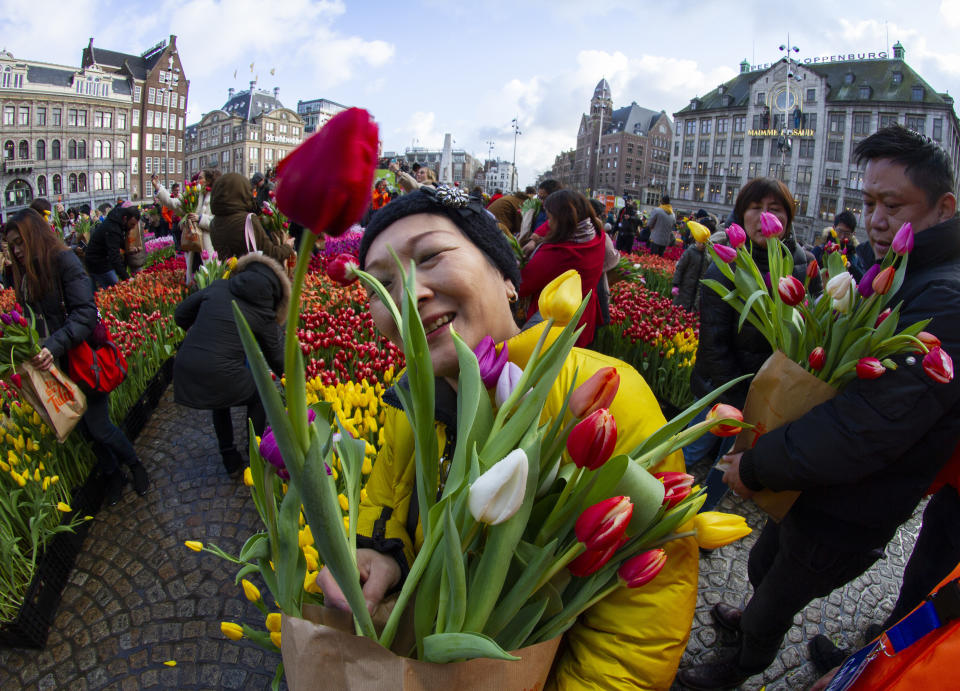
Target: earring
513, 297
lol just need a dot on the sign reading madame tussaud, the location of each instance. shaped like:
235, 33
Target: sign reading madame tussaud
784, 133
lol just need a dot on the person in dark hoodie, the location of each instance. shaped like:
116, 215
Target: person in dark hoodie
211, 372
105, 252
232, 203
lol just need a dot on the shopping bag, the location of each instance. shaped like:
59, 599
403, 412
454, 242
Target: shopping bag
322, 646
781, 392
190, 237
57, 400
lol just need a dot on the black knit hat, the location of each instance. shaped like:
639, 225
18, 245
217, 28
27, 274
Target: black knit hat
463, 211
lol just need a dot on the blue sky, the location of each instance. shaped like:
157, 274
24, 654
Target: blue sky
427, 67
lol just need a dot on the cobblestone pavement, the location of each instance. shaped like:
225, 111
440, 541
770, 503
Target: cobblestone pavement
137, 597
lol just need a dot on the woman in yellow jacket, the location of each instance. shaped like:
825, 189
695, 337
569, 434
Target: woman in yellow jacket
466, 276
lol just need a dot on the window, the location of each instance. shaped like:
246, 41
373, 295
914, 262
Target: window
57, 185
180, 166
56, 117
148, 165
149, 118
705, 125
108, 120
887, 119
723, 125
183, 102
861, 124
135, 165
82, 148
106, 149
151, 95
897, 77
756, 147
41, 116
55, 150
806, 148
97, 149
754, 170
162, 77
135, 118
810, 121
72, 149
72, 117
98, 119
137, 94
134, 142
917, 123
758, 122
163, 165
731, 196
804, 175
81, 118
836, 122
121, 180
938, 129
148, 142
121, 149
801, 202
832, 177
41, 150
690, 125
704, 149
107, 182
24, 149
835, 151
865, 92
720, 148
828, 208
718, 168
180, 144
698, 192
688, 147
8, 150
916, 93
24, 119
163, 142
761, 98
82, 182
736, 148
734, 169
811, 95
856, 180
42, 186
73, 183
254, 154
8, 115
739, 124
122, 121
97, 181
164, 125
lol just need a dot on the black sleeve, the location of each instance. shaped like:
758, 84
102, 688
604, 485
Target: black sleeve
271, 340
186, 313
715, 353
81, 308
116, 243
681, 268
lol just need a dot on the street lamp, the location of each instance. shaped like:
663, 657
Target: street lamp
784, 142
170, 92
513, 171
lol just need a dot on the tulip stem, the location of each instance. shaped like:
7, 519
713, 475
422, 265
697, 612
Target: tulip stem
565, 558
557, 509
671, 537
409, 587
471, 534
291, 343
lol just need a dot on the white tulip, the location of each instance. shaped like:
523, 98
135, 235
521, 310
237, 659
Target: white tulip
841, 288
498, 494
507, 382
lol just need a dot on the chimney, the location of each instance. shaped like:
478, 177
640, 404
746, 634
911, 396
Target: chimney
276, 92
230, 93
253, 83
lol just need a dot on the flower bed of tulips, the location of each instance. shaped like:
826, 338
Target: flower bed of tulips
656, 273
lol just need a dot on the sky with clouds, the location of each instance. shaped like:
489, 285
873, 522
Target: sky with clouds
427, 67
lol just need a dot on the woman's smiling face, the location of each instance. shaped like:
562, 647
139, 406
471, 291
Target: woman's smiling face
455, 285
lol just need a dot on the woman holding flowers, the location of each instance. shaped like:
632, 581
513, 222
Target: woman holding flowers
48, 277
203, 216
466, 278
235, 207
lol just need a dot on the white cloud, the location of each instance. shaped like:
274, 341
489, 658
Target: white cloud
950, 10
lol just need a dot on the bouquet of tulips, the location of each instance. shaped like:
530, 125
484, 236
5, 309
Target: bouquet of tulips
212, 269
273, 220
189, 197
517, 543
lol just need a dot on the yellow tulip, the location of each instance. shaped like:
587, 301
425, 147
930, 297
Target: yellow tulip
65, 508
250, 590
344, 502
273, 622
561, 297
310, 582
699, 231
312, 563
275, 638
305, 536
715, 529
247, 477
170, 663
367, 466
36, 475
232, 631
194, 545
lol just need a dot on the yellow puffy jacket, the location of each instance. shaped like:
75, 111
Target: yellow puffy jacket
632, 639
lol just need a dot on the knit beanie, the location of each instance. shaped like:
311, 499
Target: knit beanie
464, 211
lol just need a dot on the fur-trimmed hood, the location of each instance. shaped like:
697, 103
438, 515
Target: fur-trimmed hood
257, 278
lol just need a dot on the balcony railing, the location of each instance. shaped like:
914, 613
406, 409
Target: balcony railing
18, 165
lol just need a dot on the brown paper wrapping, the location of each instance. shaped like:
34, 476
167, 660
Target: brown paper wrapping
54, 396
320, 651
190, 238
782, 392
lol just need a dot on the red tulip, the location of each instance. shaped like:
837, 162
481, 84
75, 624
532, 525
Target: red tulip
596, 392
881, 317
929, 340
726, 254
938, 365
591, 441
324, 184
15, 378
340, 269
869, 368
592, 560
884, 281
813, 270
817, 358
643, 568
721, 411
677, 487
791, 291
604, 523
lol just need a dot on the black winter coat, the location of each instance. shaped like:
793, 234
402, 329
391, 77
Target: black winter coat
724, 352
211, 369
864, 459
61, 330
690, 269
107, 245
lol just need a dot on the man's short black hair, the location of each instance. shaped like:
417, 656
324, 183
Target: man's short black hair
926, 163
530, 190
665, 199
845, 218
549, 186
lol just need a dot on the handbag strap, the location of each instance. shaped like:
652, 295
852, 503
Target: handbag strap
249, 235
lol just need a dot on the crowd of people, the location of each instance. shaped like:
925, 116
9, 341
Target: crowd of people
862, 460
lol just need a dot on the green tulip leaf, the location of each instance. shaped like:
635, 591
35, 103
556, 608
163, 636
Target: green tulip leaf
450, 647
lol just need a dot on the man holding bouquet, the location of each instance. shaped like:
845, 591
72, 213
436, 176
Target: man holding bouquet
864, 459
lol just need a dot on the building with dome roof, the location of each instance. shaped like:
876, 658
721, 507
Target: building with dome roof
622, 151
799, 122
250, 133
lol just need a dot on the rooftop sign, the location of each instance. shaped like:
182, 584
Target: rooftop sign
849, 57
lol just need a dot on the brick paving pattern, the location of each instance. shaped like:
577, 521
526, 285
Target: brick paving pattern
137, 597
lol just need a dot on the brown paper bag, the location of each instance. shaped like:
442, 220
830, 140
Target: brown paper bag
320, 651
781, 392
190, 238
57, 400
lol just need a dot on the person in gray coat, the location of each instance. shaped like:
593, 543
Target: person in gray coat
661, 225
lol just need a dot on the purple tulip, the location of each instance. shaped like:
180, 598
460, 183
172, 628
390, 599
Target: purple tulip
865, 287
770, 225
736, 235
5, 318
903, 240
271, 452
491, 363
726, 254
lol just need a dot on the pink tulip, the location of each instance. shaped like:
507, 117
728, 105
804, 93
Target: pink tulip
870, 368
791, 291
643, 568
341, 269
938, 365
604, 523
736, 235
726, 254
770, 225
903, 240
929, 340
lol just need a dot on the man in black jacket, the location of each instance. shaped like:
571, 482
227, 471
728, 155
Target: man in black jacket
105, 254
864, 459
